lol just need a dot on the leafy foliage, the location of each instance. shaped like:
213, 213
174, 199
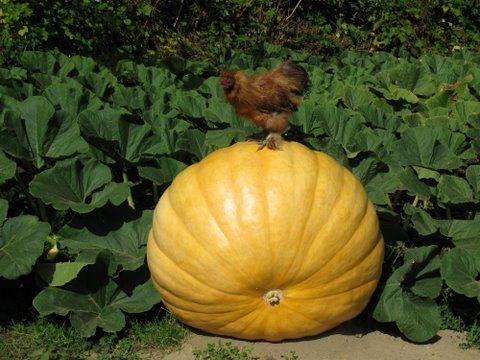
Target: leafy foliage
198, 29
87, 151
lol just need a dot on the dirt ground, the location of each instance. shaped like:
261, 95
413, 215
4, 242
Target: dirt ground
351, 341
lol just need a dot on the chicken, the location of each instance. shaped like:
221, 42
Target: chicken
266, 99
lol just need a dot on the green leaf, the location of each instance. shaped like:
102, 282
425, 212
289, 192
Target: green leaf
58, 274
308, 117
411, 183
99, 309
7, 168
454, 190
421, 146
422, 221
87, 311
460, 270
80, 184
131, 98
3, 210
367, 169
108, 130
336, 124
98, 82
473, 177
211, 87
192, 104
220, 112
225, 137
143, 297
424, 173
41, 132
21, 243
408, 295
127, 244
43, 62
71, 98
193, 141
357, 97
164, 173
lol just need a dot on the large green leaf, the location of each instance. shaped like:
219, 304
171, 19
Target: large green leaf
126, 244
224, 137
220, 112
167, 128
132, 98
110, 131
460, 270
71, 98
193, 141
41, 132
7, 168
408, 295
164, 172
21, 243
3, 210
454, 190
101, 309
58, 274
191, 104
421, 146
473, 177
80, 184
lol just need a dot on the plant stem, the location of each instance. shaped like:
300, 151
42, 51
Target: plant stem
41, 213
42, 210
389, 203
130, 201
425, 204
409, 217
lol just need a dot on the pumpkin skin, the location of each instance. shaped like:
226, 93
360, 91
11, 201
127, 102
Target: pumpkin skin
265, 244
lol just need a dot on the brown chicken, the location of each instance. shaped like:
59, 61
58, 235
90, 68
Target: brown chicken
266, 99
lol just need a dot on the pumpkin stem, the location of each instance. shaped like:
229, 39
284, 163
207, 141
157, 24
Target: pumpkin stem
273, 297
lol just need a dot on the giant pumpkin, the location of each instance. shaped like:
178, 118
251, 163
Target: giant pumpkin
265, 244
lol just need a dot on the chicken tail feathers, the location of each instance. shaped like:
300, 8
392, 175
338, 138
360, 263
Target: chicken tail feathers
298, 74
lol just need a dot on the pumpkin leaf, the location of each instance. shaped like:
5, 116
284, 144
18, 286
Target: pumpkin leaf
39, 132
126, 244
460, 270
473, 177
225, 137
220, 112
166, 170
191, 104
58, 274
3, 210
421, 146
7, 168
80, 184
99, 304
22, 240
109, 131
193, 141
408, 295
454, 190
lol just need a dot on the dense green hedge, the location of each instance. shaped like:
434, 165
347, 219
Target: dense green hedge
199, 29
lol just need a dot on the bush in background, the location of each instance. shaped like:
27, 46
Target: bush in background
112, 29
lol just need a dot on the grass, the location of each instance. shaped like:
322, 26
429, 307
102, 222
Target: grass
459, 322
228, 351
47, 339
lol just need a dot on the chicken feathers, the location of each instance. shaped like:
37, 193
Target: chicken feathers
266, 99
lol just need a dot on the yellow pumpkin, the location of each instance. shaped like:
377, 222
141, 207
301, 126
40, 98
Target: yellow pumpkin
265, 244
